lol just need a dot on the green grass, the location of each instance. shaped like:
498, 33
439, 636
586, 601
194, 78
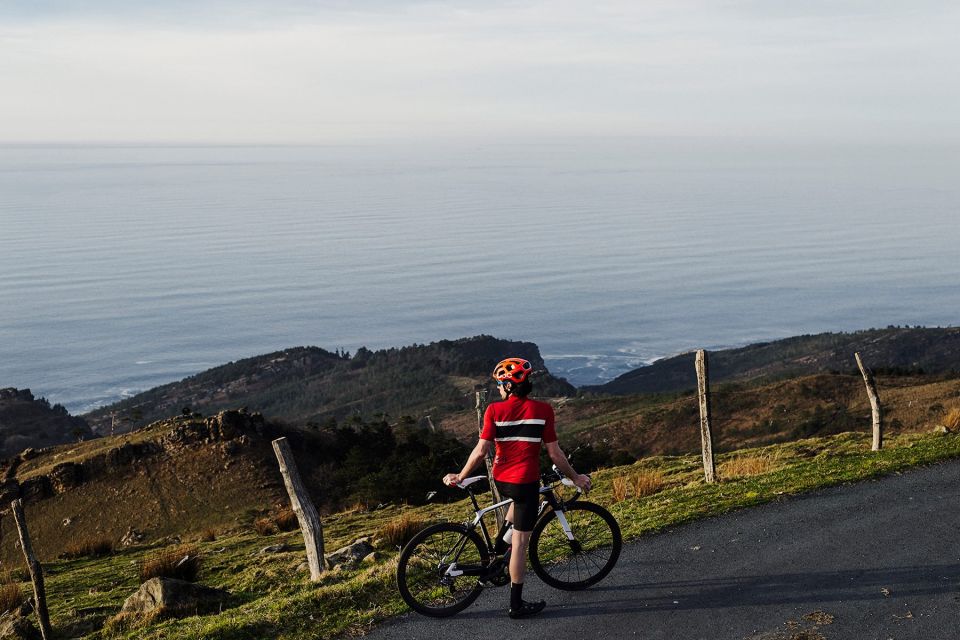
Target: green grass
273, 598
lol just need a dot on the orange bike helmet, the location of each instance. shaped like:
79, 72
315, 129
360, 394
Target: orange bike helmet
514, 370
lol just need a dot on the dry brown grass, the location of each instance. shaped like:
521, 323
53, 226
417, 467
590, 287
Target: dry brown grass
647, 483
398, 531
952, 419
181, 562
265, 526
286, 520
208, 535
619, 488
11, 594
93, 547
742, 466
639, 484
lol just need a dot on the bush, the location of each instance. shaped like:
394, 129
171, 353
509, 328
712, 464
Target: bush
619, 487
952, 420
286, 520
265, 526
398, 531
647, 483
741, 466
182, 562
11, 595
93, 547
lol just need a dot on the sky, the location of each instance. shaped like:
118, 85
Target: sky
294, 71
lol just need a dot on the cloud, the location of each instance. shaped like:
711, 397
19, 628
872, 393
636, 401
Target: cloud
308, 72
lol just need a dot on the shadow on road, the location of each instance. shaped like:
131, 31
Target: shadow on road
785, 588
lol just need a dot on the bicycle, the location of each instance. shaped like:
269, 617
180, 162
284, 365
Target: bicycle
445, 567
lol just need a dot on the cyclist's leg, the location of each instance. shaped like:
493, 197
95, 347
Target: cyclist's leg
518, 555
526, 501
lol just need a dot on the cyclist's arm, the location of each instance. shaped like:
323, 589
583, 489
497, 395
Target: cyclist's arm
560, 459
479, 453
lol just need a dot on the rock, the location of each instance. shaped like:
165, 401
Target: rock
65, 476
350, 555
174, 598
941, 429
14, 627
36, 488
274, 548
372, 558
131, 537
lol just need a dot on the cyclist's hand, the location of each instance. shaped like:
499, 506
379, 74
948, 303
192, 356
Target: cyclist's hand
583, 482
451, 479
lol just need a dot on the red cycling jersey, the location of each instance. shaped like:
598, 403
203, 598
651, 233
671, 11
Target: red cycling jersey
518, 426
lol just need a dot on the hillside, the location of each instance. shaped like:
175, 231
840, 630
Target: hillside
904, 349
28, 422
748, 415
190, 473
310, 385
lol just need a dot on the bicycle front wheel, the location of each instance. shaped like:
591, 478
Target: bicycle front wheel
583, 561
438, 570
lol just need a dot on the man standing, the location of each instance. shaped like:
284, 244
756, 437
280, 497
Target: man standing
518, 426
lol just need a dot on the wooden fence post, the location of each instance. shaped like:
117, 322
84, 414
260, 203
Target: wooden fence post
875, 407
36, 571
481, 395
303, 506
706, 437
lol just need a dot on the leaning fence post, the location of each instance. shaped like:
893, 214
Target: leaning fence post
875, 407
303, 506
481, 395
33, 566
706, 437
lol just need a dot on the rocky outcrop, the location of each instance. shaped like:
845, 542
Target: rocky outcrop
232, 429
14, 627
350, 555
169, 597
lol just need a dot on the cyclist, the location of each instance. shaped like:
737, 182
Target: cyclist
518, 425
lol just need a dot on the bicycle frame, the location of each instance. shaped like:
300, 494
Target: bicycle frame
549, 499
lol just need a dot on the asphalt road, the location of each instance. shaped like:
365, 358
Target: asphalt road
878, 560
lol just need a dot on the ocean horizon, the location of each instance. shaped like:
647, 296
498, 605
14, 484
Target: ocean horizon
123, 267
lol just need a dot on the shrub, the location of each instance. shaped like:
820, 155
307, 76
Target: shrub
182, 562
93, 547
398, 531
741, 466
11, 595
620, 484
286, 520
952, 419
265, 526
647, 483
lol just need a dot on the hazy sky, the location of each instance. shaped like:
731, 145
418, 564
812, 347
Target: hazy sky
314, 72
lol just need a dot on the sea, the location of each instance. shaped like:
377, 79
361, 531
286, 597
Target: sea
123, 267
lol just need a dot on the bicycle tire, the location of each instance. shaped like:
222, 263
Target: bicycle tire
422, 565
587, 560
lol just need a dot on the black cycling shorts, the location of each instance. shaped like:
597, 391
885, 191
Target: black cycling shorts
526, 502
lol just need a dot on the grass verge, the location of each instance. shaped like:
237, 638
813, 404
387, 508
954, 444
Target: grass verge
275, 599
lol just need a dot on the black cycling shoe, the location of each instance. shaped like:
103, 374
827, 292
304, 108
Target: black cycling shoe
527, 609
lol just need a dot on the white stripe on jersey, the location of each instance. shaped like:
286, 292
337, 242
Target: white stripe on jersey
516, 422
518, 439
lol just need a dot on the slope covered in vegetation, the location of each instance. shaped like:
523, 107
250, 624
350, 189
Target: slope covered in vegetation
886, 350
311, 385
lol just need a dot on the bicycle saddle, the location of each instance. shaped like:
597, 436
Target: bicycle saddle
466, 482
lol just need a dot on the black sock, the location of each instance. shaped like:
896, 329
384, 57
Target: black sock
516, 595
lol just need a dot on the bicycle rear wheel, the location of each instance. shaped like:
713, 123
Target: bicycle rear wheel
587, 559
430, 572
